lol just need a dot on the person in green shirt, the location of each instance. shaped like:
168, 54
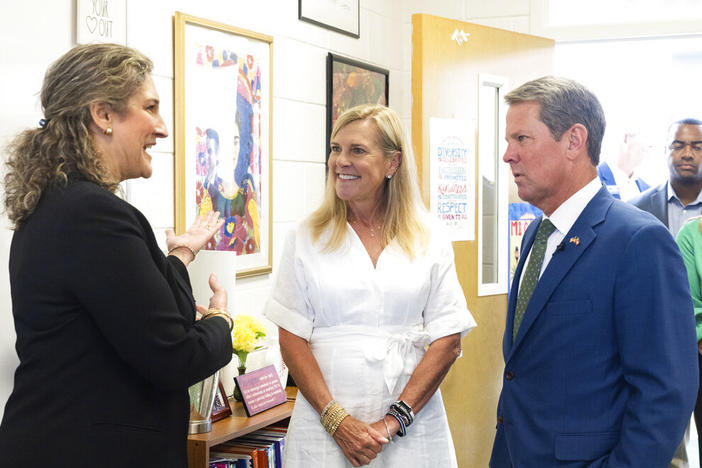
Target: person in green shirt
690, 243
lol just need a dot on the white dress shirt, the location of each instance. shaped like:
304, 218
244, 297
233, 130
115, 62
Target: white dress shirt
565, 216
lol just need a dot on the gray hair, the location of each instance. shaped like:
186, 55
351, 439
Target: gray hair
564, 103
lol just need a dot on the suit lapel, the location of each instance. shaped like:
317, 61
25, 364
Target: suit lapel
575, 243
659, 204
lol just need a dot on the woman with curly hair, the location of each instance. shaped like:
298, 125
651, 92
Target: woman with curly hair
107, 335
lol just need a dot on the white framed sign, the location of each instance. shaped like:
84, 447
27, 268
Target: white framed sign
452, 175
101, 21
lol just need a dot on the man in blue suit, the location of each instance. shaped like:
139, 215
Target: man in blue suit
600, 359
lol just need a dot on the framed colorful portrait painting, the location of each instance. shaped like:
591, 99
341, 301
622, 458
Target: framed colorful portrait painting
223, 144
351, 83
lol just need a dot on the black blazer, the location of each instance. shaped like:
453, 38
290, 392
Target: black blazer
106, 338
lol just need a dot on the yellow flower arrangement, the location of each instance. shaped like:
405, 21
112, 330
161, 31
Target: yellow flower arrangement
245, 336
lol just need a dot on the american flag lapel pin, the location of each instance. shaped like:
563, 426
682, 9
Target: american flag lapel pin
575, 240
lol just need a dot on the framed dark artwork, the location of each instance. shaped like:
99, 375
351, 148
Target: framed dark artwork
351, 83
342, 16
220, 408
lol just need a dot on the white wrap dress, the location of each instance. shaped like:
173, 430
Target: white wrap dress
368, 328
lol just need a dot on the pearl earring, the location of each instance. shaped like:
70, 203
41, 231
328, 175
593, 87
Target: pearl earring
108, 131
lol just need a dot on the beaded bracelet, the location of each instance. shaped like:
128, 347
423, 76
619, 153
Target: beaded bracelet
331, 417
326, 410
403, 428
184, 247
404, 410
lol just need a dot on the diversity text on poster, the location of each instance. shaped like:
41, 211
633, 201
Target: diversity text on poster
452, 175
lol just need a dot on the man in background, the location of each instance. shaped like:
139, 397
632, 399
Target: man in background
622, 179
600, 343
673, 203
678, 199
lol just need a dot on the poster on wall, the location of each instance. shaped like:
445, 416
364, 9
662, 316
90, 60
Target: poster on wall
520, 215
101, 21
452, 175
223, 136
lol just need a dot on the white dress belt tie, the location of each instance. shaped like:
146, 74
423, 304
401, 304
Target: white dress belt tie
400, 348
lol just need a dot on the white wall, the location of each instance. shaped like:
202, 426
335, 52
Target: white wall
33, 34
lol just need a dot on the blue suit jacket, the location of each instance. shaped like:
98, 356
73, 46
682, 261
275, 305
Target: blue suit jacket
655, 201
603, 370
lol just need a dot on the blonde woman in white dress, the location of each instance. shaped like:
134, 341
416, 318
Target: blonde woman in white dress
369, 310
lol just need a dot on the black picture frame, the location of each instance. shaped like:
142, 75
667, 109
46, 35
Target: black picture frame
331, 16
343, 94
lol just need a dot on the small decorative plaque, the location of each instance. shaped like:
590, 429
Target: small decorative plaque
261, 390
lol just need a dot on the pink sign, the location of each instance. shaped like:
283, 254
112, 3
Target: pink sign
261, 390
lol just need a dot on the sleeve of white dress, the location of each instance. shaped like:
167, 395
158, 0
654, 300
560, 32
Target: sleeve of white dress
288, 306
446, 312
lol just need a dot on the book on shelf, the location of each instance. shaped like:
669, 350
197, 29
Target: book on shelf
230, 461
259, 455
264, 451
245, 454
277, 439
262, 448
271, 446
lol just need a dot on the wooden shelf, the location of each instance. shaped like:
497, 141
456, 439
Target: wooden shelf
236, 425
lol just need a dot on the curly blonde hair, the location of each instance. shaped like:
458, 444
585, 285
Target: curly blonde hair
401, 201
63, 146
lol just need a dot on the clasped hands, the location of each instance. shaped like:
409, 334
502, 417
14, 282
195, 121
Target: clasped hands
361, 442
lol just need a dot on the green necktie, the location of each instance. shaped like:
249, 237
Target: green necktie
531, 275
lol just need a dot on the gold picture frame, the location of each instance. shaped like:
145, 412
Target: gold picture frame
223, 95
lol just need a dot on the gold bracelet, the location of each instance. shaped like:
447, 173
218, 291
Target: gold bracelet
184, 247
220, 313
337, 422
326, 410
331, 417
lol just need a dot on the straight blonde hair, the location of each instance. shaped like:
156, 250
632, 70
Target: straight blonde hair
401, 203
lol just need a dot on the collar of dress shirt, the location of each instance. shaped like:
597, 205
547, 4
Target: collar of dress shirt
565, 215
670, 192
671, 195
